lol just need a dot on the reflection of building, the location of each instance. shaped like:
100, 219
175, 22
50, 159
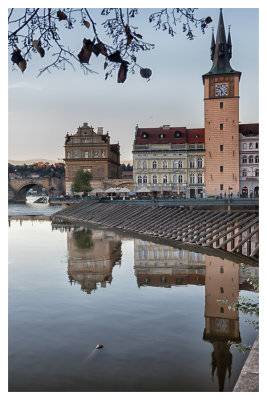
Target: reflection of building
160, 265
165, 266
92, 152
92, 256
221, 324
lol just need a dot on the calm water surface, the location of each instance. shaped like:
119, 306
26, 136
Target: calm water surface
153, 307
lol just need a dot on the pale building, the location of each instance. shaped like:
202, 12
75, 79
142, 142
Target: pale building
169, 160
249, 160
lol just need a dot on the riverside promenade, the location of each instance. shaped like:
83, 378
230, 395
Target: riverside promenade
199, 229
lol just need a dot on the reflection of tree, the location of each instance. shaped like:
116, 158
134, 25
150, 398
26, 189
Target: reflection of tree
83, 238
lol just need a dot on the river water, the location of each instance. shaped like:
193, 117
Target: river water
152, 306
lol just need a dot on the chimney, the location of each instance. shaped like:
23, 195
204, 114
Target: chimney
100, 130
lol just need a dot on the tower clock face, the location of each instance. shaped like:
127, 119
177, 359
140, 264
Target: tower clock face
221, 90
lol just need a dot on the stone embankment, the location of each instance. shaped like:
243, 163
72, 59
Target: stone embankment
209, 228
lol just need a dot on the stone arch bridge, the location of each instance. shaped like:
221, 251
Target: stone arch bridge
17, 188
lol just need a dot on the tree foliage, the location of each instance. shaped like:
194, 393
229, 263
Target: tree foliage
81, 182
114, 38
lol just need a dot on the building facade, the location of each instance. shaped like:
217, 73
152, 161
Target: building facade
169, 160
91, 151
249, 159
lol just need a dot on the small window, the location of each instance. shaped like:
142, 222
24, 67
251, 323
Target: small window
244, 173
177, 134
161, 135
250, 146
250, 159
154, 164
222, 310
221, 270
221, 187
144, 135
257, 159
221, 104
221, 147
244, 146
257, 173
221, 168
221, 127
221, 290
256, 145
244, 159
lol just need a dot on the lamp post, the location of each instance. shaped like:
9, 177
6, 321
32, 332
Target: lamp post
229, 206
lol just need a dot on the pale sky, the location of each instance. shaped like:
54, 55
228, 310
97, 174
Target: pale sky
43, 109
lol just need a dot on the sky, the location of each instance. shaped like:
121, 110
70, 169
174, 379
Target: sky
41, 110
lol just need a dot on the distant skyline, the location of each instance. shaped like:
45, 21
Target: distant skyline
42, 110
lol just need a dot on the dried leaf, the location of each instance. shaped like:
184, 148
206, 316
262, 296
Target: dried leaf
37, 45
105, 65
208, 20
61, 15
22, 65
16, 57
100, 48
122, 74
115, 57
86, 23
86, 51
128, 34
145, 73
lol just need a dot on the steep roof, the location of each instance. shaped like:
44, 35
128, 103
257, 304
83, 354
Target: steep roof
249, 129
169, 135
221, 53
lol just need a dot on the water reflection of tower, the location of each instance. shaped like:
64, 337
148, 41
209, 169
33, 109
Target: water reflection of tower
221, 324
161, 265
92, 256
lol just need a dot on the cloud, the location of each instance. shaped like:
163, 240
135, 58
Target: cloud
24, 85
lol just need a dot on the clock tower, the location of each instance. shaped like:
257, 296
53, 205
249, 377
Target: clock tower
221, 99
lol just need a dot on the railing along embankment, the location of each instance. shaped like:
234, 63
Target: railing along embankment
233, 231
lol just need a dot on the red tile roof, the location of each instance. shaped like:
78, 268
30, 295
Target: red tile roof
249, 129
171, 135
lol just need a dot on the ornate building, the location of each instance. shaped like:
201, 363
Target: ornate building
93, 152
249, 159
169, 159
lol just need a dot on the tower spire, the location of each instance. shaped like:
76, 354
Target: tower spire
221, 52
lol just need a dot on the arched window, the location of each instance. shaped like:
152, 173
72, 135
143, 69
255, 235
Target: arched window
68, 154
180, 178
145, 164
164, 164
257, 159
180, 164
199, 178
174, 179
155, 179
244, 172
192, 178
154, 164
244, 159
192, 163
139, 164
139, 179
250, 159
199, 163
257, 172
165, 179
144, 179
175, 164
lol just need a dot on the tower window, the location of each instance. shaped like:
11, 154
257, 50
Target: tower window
221, 127
221, 104
221, 186
221, 168
221, 147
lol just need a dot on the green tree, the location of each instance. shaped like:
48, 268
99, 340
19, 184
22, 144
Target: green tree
81, 182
